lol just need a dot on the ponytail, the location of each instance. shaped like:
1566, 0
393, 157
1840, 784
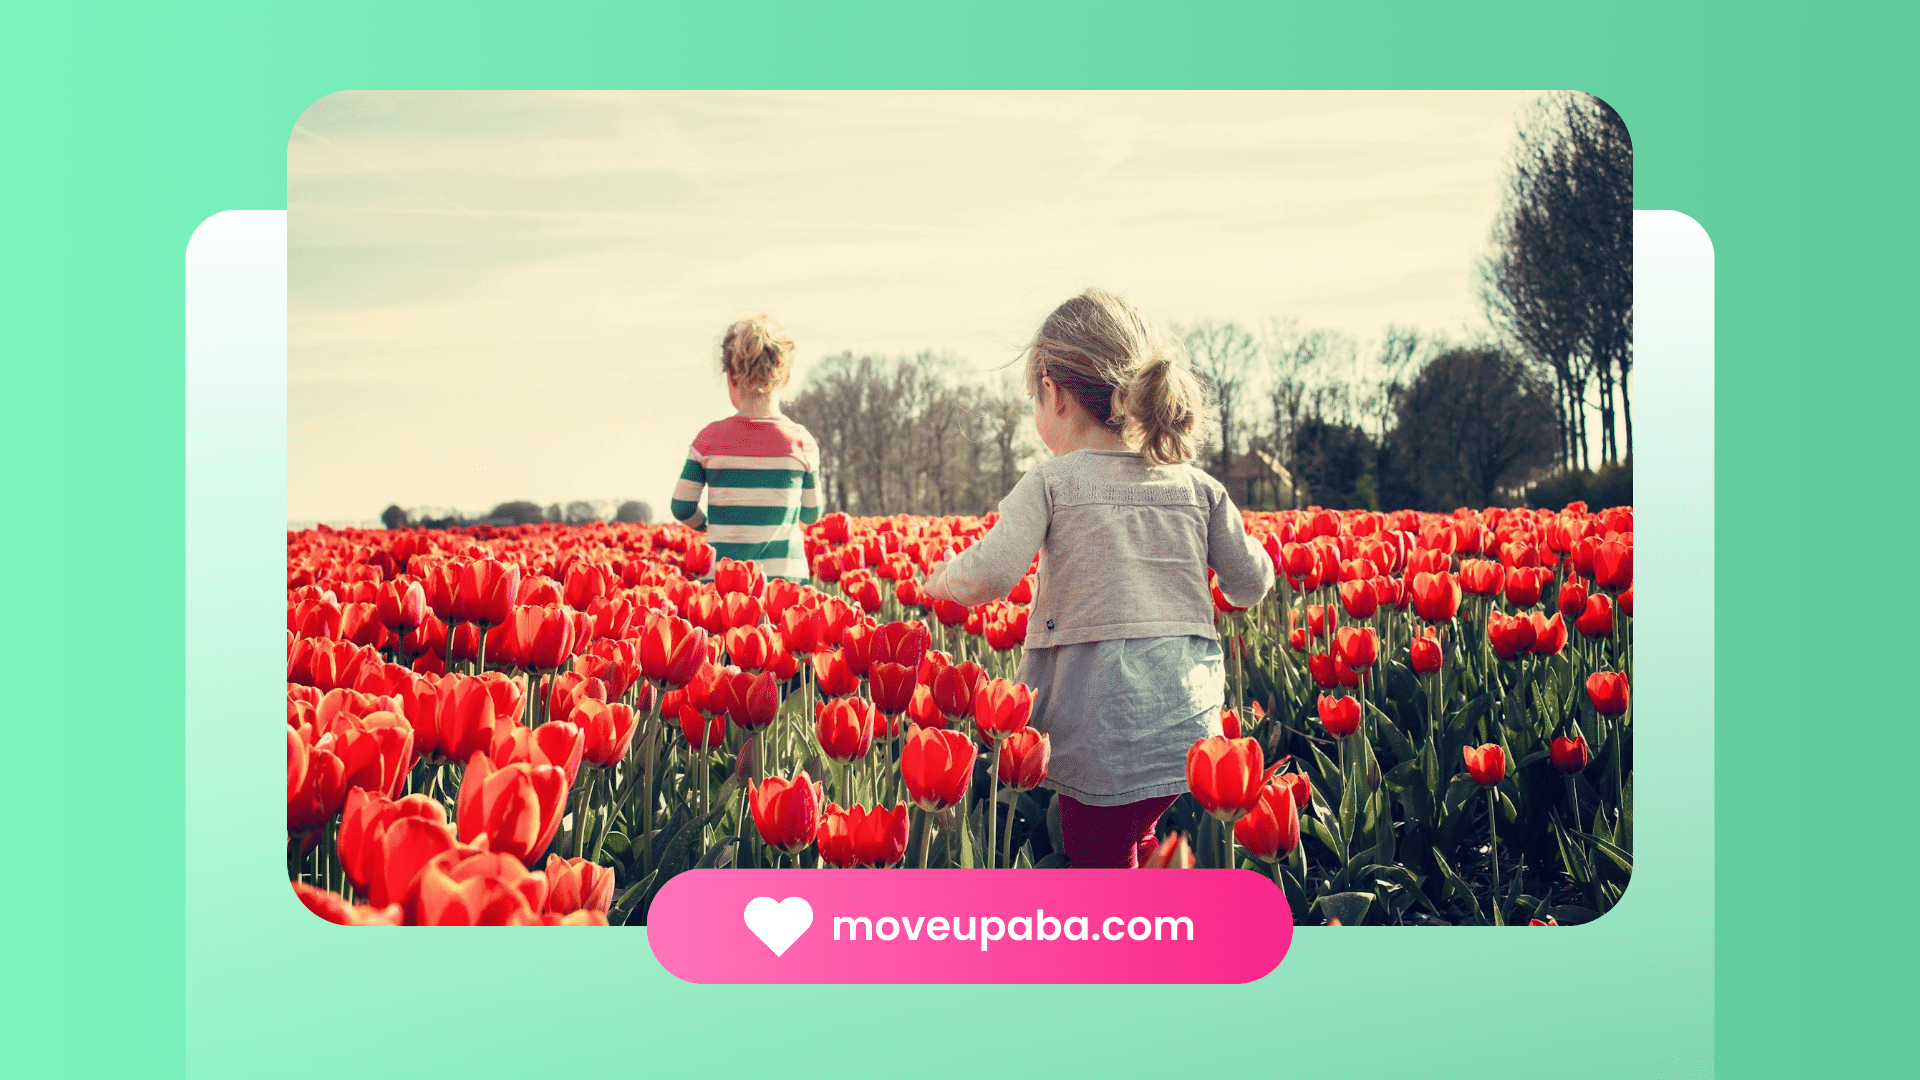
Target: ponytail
1125, 373
1162, 404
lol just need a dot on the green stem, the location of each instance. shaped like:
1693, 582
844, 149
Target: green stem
1493, 850
1006, 843
993, 801
926, 836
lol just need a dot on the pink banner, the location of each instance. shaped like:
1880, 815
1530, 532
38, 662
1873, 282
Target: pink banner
968, 926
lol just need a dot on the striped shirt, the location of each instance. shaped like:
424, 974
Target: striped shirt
761, 476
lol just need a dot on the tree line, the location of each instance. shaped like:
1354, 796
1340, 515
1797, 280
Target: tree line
522, 512
1315, 416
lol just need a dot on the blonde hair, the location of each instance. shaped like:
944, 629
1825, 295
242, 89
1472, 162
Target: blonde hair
1125, 372
758, 353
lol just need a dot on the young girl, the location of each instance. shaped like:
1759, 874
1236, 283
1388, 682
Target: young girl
1121, 650
759, 469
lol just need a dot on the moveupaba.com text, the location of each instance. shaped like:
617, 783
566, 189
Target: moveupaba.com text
988, 929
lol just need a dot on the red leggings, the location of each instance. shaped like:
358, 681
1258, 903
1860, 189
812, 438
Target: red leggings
1119, 837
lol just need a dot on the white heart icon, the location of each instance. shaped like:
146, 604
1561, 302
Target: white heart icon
778, 924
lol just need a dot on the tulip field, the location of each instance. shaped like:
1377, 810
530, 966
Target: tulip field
1428, 719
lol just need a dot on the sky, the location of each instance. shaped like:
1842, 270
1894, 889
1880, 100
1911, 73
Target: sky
521, 295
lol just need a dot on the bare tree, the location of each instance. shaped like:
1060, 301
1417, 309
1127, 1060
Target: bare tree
1223, 354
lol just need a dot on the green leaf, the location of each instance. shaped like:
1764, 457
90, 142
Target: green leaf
1383, 827
1507, 809
1402, 749
1326, 836
1348, 907
1055, 861
1620, 856
1401, 776
1329, 779
718, 855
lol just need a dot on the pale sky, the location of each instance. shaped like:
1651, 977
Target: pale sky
518, 295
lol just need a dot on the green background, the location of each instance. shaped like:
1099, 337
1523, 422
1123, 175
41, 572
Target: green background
1782, 130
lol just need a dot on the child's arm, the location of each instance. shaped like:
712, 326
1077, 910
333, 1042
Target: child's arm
1244, 572
810, 493
686, 494
990, 568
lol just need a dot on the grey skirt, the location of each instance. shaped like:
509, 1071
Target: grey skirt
1122, 714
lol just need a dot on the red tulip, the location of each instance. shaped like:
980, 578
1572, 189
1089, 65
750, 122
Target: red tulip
1569, 755
698, 559
1626, 603
364, 822
485, 590
922, 711
1225, 775
577, 885
743, 577
1613, 565
845, 727
467, 713
586, 582
703, 732
950, 613
1487, 763
787, 812
518, 807
1572, 600
891, 686
477, 888
1524, 585
1023, 759
856, 646
1482, 577
1436, 597
1597, 619
608, 729
360, 624
752, 701
902, 643
1302, 787
672, 650
1358, 647
1359, 598
937, 765
335, 908
1608, 691
954, 688
803, 629
1340, 715
406, 845
559, 744
1297, 639
1330, 671
835, 838
834, 676
1002, 707
1229, 723
748, 647
879, 835
1272, 828
322, 789
1425, 655
1511, 637
375, 750
862, 590
1549, 635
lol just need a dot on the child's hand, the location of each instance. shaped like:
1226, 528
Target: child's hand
936, 585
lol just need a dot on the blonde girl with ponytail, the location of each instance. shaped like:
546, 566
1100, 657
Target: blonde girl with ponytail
1121, 648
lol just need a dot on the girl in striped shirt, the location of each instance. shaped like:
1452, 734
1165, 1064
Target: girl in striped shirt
759, 469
